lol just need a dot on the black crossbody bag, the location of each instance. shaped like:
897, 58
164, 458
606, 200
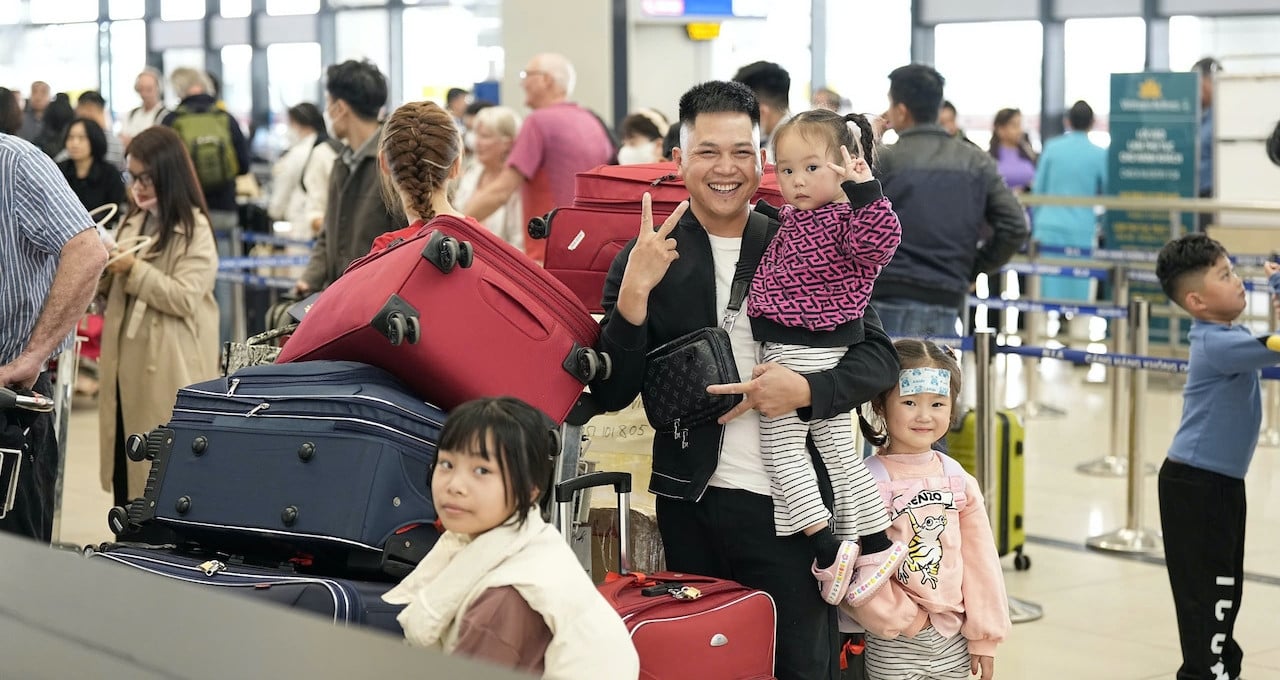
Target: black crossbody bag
678, 372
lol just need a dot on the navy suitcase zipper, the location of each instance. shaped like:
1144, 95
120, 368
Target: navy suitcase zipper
343, 601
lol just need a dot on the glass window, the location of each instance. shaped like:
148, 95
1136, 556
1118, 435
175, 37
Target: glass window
1242, 44
128, 57
783, 38
128, 9
237, 81
456, 32
858, 69
179, 10
364, 35
357, 3
65, 56
236, 8
177, 57
988, 67
293, 76
10, 12
64, 11
1089, 69
283, 7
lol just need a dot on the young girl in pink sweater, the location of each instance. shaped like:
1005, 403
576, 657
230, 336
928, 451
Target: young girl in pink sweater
944, 611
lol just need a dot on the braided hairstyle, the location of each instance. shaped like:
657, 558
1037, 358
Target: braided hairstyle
420, 145
833, 130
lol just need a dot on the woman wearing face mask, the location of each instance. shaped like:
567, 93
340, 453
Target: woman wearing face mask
160, 327
495, 128
300, 179
95, 181
642, 134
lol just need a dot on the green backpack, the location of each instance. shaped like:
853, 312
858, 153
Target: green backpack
208, 139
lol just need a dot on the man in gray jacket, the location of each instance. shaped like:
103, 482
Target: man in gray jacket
355, 92
947, 193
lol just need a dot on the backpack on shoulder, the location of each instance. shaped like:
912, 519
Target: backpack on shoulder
207, 135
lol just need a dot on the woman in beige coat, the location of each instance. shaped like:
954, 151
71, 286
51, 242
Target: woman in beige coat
160, 324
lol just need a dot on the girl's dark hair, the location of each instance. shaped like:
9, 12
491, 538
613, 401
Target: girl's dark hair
173, 176
308, 116
522, 439
97, 138
913, 353
10, 112
833, 129
420, 144
1003, 117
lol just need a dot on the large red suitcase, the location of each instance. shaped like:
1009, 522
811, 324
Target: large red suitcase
456, 313
583, 239
682, 625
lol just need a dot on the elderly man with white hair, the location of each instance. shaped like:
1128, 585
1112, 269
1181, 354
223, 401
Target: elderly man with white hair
557, 140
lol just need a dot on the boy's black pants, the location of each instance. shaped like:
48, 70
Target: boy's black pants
729, 534
1202, 514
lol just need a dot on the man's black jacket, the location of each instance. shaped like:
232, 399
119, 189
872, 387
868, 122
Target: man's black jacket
685, 301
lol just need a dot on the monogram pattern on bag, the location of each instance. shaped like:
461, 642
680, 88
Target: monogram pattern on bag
819, 270
676, 379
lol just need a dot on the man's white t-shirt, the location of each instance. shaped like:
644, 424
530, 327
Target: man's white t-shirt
741, 466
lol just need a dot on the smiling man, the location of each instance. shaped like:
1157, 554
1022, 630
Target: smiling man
714, 508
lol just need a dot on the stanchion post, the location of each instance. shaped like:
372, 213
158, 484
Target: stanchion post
1271, 389
1115, 463
1134, 537
984, 340
984, 414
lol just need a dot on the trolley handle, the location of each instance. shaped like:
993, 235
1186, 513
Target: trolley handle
32, 402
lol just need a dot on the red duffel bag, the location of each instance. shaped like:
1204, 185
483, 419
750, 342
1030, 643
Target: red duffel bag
583, 239
456, 313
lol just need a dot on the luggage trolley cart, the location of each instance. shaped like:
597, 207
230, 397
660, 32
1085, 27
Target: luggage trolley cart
573, 444
11, 459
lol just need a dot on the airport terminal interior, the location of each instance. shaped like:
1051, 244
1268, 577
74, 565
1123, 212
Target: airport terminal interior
1080, 611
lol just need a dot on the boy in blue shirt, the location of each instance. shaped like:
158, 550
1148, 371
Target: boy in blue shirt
1202, 495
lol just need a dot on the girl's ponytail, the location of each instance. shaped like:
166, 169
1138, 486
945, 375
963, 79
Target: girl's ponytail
874, 436
866, 136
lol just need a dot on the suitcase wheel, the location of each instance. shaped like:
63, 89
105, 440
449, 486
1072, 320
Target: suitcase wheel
466, 254
397, 327
413, 330
136, 447
447, 252
538, 228
1021, 562
117, 520
589, 364
607, 367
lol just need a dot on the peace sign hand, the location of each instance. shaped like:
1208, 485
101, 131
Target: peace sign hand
648, 262
854, 169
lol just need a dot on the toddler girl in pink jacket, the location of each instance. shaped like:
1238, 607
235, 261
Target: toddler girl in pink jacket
806, 306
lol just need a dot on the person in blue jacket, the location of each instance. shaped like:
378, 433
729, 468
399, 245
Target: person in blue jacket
1071, 165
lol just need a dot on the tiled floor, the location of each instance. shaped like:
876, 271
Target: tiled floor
1105, 617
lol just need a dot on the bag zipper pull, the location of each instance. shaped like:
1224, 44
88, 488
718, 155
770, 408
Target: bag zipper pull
235, 382
675, 430
254, 411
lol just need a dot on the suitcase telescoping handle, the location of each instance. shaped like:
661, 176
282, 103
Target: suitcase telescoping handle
621, 483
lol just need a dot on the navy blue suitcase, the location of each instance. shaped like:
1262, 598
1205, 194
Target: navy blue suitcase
343, 601
324, 459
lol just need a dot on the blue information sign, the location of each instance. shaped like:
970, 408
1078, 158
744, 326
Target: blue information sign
1154, 123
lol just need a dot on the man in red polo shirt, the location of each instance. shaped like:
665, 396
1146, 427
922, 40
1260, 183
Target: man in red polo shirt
556, 141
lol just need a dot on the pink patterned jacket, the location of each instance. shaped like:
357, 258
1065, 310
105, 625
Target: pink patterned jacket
819, 270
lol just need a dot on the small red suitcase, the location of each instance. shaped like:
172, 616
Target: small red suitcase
457, 314
683, 626
583, 239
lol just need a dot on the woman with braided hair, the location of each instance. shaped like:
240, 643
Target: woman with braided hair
420, 153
